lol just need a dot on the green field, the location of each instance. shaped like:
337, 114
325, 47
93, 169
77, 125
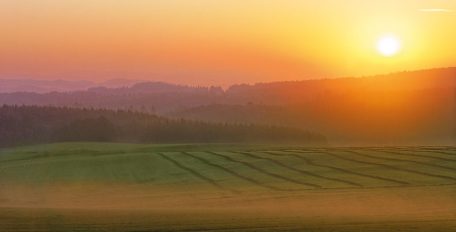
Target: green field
227, 187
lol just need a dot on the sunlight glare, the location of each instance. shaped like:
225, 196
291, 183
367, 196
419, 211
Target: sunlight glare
388, 45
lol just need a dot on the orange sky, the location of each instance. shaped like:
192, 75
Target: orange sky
220, 42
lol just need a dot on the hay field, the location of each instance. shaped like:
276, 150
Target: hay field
226, 187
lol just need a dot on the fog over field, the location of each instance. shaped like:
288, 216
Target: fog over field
405, 108
227, 187
227, 115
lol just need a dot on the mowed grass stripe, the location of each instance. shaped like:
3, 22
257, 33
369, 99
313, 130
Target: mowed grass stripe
80, 170
445, 148
434, 151
362, 162
411, 154
421, 149
276, 175
258, 169
310, 162
421, 156
389, 166
235, 174
191, 171
57, 158
79, 153
400, 160
279, 163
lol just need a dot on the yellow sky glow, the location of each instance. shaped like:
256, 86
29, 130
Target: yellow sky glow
220, 42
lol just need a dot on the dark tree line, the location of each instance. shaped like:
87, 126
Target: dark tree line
20, 125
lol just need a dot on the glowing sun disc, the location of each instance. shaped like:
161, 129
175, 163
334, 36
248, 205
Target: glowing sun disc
388, 45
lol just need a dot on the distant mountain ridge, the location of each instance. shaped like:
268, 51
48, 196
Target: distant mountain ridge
425, 79
398, 108
47, 86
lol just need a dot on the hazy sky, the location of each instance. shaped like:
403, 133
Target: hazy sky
220, 41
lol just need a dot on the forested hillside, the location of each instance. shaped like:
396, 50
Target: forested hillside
416, 107
32, 125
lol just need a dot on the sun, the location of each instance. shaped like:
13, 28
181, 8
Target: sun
388, 45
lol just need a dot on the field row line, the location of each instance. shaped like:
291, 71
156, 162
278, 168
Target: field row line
191, 171
44, 156
402, 160
418, 155
233, 173
409, 170
281, 164
415, 150
388, 166
310, 162
265, 171
434, 151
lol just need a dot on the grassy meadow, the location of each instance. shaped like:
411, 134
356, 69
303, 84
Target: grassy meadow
226, 187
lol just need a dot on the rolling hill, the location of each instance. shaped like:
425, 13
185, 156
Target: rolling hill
416, 107
226, 187
21, 125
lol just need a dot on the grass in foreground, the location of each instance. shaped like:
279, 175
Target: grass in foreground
126, 187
